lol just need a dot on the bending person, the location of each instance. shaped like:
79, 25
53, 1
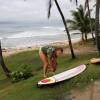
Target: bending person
49, 55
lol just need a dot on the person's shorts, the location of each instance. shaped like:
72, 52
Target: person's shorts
40, 51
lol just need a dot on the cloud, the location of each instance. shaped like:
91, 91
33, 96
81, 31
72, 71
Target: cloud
19, 10
33, 9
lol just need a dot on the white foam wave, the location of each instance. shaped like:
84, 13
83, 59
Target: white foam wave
38, 33
75, 31
32, 34
55, 28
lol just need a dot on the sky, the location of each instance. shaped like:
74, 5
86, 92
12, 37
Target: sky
33, 10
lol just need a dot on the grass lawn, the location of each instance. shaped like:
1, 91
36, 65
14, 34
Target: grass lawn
27, 89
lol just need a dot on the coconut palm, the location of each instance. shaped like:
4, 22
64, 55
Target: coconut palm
80, 22
97, 32
89, 13
64, 22
5, 69
97, 25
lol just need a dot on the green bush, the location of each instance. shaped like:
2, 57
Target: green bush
21, 74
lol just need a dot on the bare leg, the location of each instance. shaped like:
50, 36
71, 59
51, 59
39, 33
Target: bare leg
44, 59
45, 68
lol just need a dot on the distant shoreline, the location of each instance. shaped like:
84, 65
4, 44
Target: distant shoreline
12, 51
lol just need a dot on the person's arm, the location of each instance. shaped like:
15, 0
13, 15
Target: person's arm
50, 58
53, 64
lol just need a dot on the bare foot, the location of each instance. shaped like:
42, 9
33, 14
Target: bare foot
45, 76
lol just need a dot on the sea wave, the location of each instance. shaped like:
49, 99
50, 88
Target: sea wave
54, 28
37, 33
32, 34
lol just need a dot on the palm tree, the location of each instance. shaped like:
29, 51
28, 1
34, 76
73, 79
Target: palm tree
5, 69
97, 22
80, 22
97, 25
64, 22
89, 13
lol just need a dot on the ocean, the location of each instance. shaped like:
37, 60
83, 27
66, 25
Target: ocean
17, 35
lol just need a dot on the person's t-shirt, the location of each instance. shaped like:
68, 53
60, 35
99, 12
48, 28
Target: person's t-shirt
49, 51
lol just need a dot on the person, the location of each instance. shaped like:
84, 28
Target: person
48, 55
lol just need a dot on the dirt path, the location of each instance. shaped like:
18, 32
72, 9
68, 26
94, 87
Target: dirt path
81, 50
91, 93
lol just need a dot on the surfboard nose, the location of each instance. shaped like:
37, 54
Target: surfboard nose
49, 80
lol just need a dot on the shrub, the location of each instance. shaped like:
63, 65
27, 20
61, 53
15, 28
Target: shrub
21, 74
27, 71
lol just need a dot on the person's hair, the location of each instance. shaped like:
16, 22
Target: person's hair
61, 49
54, 54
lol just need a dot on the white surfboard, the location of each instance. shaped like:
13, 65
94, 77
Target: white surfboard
62, 76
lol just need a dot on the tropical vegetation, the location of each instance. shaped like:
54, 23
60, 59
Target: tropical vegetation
97, 17
81, 21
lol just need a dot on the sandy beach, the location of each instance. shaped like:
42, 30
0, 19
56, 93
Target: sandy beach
12, 51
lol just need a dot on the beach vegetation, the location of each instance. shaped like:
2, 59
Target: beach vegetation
97, 19
24, 72
81, 22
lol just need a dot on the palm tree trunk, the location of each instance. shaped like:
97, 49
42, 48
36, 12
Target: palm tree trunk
82, 37
86, 36
5, 69
66, 28
90, 20
97, 25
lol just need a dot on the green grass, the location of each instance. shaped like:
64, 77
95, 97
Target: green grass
27, 89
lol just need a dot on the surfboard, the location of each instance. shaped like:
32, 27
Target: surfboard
62, 76
95, 60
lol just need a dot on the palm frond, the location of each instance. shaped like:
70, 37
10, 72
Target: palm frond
49, 8
80, 20
77, 16
71, 21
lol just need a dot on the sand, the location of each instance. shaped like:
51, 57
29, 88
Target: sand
9, 52
12, 51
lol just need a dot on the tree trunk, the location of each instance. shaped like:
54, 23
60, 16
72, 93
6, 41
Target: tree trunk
82, 37
97, 25
5, 69
90, 20
66, 28
86, 36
